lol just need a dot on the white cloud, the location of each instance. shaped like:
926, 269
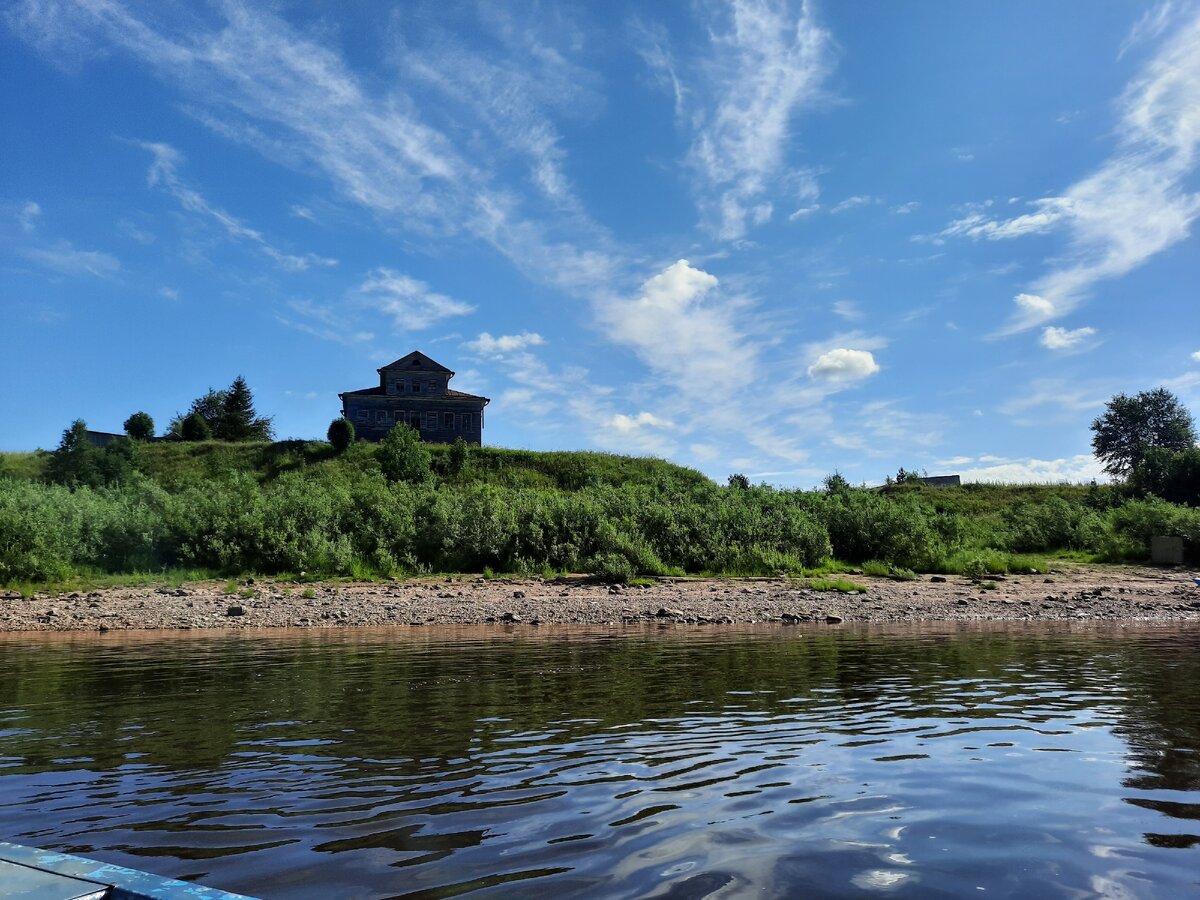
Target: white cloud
626, 424
903, 209
1063, 339
681, 328
842, 364
1196, 356
302, 212
28, 217
409, 302
847, 309
168, 293
1034, 307
768, 59
486, 345
66, 259
164, 173
1080, 468
803, 211
1137, 203
854, 202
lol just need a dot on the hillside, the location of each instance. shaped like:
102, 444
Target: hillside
291, 507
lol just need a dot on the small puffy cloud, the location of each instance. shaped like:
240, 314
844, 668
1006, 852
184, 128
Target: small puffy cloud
1196, 356
627, 424
486, 345
843, 364
409, 302
28, 216
1054, 338
903, 209
1034, 307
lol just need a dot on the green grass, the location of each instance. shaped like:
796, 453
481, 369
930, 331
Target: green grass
841, 585
880, 569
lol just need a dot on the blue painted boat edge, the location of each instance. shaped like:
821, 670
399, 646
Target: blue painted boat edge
124, 884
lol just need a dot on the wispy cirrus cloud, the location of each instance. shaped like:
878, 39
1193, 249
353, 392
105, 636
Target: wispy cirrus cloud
65, 259
766, 60
164, 173
28, 216
410, 303
1137, 203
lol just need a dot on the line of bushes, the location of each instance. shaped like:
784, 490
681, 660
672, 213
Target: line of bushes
351, 520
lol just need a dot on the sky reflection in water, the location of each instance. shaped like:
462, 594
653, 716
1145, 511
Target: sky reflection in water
1008, 761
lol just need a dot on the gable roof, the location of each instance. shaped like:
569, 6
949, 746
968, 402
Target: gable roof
416, 362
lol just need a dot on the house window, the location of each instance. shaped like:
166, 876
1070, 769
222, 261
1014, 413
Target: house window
397, 387
380, 416
448, 420
431, 421
361, 415
416, 386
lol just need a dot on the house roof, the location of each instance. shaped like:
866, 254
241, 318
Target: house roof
450, 394
416, 362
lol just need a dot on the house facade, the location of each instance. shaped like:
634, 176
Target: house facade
415, 391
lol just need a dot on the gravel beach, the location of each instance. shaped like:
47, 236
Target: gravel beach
1072, 593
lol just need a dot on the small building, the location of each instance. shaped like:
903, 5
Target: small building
415, 391
942, 481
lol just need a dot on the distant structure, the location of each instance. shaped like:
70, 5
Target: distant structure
414, 390
102, 438
942, 480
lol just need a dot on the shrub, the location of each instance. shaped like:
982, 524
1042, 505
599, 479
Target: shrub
611, 567
402, 456
340, 434
195, 428
139, 426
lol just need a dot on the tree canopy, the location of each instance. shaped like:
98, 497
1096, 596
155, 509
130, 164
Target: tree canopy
229, 415
139, 426
1132, 426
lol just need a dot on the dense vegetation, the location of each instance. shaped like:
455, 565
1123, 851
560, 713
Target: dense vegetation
401, 506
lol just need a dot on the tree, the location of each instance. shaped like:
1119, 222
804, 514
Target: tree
402, 456
1173, 475
237, 420
1131, 426
459, 456
77, 461
739, 481
194, 427
229, 415
340, 434
140, 426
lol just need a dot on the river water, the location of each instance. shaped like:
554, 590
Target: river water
1003, 761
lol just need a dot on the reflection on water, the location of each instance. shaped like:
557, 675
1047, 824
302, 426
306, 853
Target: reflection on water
1009, 762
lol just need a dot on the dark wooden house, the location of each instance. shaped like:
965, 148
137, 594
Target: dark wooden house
415, 391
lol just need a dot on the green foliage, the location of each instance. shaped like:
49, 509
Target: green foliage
739, 481
841, 585
237, 419
139, 426
403, 456
373, 511
195, 428
1131, 426
77, 461
1170, 474
457, 458
340, 434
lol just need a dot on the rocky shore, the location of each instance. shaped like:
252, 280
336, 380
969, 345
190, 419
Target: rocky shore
1073, 593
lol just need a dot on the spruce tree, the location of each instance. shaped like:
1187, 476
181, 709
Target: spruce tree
238, 421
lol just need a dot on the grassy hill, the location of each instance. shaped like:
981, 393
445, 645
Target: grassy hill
293, 506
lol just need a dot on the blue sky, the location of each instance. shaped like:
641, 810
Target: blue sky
745, 235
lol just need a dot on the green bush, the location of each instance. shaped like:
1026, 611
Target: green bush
402, 456
340, 434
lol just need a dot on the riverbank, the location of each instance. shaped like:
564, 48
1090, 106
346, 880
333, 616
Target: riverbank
1072, 593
